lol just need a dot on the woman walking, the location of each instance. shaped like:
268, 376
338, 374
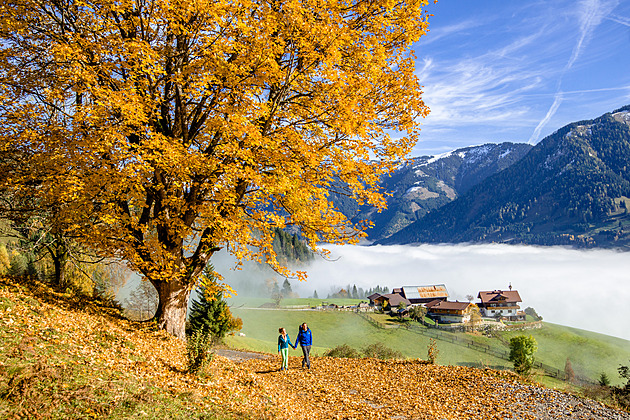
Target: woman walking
283, 347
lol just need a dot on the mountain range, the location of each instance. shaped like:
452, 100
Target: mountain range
572, 188
423, 184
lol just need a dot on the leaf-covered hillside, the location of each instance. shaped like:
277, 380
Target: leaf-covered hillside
572, 188
75, 358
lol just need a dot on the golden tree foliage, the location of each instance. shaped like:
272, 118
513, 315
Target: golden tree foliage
164, 130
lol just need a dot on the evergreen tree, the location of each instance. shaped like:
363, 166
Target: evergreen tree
315, 295
286, 288
210, 313
355, 292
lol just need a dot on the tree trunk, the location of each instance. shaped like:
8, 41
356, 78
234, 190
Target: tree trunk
172, 306
59, 262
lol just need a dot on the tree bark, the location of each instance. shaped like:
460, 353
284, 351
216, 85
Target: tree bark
172, 306
59, 262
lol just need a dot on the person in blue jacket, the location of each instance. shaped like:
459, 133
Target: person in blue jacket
283, 347
304, 339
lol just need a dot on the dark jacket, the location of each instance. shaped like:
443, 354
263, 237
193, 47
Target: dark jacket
304, 338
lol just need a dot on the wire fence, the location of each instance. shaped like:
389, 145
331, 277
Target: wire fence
437, 334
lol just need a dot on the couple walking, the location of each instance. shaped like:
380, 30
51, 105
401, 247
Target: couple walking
304, 339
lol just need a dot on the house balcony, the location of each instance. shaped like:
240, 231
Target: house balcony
502, 308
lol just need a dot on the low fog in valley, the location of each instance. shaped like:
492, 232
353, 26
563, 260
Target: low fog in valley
586, 289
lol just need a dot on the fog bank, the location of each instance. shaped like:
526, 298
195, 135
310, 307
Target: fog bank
587, 289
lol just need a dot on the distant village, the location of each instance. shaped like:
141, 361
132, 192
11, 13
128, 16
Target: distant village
496, 304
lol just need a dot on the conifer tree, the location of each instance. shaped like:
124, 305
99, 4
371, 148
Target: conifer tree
210, 313
286, 288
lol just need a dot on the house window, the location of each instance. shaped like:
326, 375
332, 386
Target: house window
509, 311
491, 312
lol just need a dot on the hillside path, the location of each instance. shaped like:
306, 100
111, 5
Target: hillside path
240, 355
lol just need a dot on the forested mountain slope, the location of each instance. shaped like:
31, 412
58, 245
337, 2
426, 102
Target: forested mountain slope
571, 189
426, 183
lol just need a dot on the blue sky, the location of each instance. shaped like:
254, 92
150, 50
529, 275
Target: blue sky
497, 70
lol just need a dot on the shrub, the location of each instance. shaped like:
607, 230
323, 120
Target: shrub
622, 393
198, 350
432, 351
532, 312
522, 349
343, 350
417, 313
380, 351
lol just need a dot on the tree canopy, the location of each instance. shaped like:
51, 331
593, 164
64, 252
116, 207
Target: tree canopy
162, 130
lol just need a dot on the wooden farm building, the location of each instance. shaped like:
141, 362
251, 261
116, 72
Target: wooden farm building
445, 311
424, 294
411, 295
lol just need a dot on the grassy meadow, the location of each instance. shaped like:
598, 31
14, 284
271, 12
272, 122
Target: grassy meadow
332, 328
590, 353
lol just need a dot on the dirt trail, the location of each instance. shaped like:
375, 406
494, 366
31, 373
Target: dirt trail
240, 355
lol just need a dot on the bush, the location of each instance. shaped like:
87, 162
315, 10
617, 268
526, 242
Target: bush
198, 351
522, 349
380, 351
343, 350
432, 351
532, 312
622, 393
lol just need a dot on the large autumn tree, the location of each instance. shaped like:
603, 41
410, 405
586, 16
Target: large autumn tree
164, 130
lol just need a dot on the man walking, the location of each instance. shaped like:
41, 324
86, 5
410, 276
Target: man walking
304, 339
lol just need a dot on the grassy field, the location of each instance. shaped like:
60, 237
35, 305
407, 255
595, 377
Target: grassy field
332, 328
590, 353
288, 302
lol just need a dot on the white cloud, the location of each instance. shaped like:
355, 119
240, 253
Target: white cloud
449, 30
620, 19
561, 284
502, 78
590, 14
476, 90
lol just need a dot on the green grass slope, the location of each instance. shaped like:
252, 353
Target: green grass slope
332, 328
590, 353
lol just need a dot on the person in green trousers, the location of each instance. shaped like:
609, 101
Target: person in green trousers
283, 347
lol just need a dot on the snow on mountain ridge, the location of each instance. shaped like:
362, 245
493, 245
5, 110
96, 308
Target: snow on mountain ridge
476, 152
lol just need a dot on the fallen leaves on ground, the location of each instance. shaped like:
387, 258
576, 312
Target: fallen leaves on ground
36, 321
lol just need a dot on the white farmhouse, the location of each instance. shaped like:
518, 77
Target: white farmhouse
501, 304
